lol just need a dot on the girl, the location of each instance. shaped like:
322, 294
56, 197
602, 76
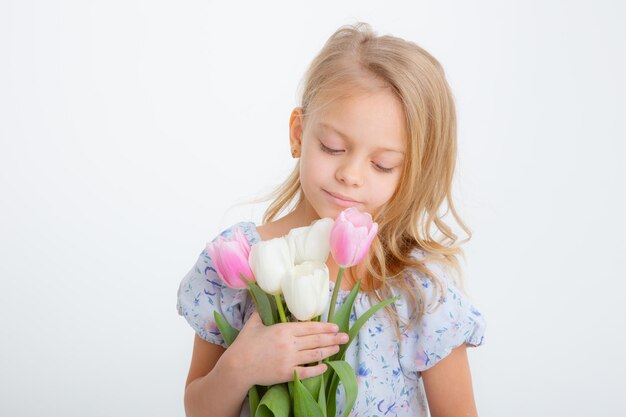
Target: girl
376, 129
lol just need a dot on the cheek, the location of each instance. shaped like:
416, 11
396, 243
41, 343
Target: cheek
307, 173
313, 167
385, 188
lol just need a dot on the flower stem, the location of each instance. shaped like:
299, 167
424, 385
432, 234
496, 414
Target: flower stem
333, 299
281, 310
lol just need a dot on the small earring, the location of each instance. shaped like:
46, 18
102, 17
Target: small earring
294, 152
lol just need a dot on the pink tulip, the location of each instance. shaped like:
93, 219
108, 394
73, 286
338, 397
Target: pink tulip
351, 236
230, 258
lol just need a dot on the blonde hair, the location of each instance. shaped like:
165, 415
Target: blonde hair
352, 55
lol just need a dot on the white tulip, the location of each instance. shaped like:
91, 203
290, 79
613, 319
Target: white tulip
311, 243
306, 288
270, 261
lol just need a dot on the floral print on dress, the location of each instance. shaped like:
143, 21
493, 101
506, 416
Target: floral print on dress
388, 370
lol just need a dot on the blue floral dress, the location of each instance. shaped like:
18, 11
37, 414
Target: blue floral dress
388, 370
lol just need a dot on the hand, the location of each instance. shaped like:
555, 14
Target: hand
267, 355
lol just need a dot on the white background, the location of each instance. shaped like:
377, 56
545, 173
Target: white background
130, 129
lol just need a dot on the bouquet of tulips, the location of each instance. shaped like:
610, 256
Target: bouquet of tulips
294, 266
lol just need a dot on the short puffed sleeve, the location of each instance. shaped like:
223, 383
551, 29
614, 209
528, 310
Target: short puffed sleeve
202, 292
444, 326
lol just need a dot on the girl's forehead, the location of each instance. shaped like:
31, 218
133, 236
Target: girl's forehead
367, 107
337, 104
351, 90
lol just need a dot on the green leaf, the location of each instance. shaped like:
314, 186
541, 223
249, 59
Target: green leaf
342, 316
331, 394
290, 387
229, 333
313, 385
262, 302
346, 375
321, 399
274, 308
327, 375
304, 405
253, 399
275, 402
354, 330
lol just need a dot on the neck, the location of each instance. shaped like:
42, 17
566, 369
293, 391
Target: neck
303, 215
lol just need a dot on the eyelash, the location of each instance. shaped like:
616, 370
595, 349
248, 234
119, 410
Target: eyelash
335, 151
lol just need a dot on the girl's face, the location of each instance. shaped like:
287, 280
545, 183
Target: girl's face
351, 153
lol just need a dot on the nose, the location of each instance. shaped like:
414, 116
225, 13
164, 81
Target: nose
350, 173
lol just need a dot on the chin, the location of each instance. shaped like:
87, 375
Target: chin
333, 212
326, 211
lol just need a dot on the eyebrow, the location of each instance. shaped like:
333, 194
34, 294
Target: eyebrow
347, 138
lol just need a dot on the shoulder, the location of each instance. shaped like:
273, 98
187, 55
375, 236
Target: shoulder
439, 285
201, 292
449, 318
204, 263
249, 229
432, 279
256, 233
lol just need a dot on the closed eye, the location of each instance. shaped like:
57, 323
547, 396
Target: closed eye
329, 150
336, 151
383, 169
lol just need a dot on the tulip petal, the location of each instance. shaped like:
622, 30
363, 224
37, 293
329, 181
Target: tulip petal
344, 242
229, 257
358, 218
270, 261
296, 239
231, 263
317, 243
240, 238
341, 243
365, 244
351, 236
305, 289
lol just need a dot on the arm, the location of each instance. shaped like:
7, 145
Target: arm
448, 386
219, 378
210, 390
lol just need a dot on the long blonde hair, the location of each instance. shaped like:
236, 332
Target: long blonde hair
406, 220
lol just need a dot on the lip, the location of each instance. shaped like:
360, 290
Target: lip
341, 200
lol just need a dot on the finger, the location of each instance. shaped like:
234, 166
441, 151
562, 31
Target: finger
313, 327
320, 340
314, 355
305, 372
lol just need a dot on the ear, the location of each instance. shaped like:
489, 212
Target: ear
295, 131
